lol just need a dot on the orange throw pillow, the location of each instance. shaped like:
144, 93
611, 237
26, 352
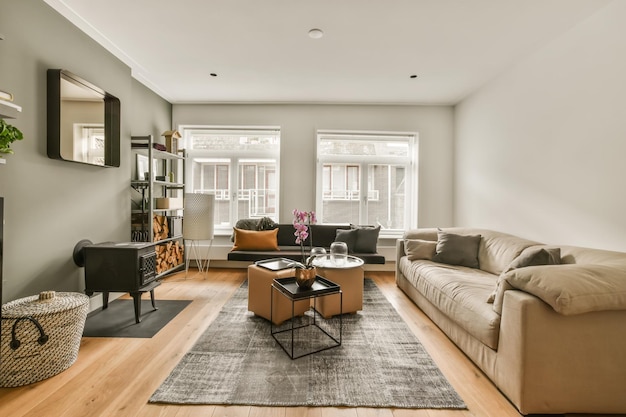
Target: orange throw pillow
256, 239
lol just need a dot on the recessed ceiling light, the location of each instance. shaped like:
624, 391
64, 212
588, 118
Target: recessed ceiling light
413, 76
316, 33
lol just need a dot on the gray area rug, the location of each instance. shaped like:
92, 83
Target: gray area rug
379, 364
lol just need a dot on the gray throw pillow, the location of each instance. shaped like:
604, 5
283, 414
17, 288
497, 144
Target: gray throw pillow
265, 223
535, 255
532, 256
366, 239
348, 236
453, 249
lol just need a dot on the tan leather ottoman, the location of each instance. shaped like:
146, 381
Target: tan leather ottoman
350, 278
259, 295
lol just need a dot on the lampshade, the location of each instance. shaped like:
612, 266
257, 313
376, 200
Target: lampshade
199, 218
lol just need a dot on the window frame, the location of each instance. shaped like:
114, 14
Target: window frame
410, 163
234, 159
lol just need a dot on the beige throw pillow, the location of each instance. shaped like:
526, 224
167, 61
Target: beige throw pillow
574, 289
417, 249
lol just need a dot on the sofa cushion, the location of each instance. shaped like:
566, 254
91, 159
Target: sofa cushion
459, 292
245, 224
255, 239
324, 234
498, 250
573, 289
366, 239
417, 249
348, 237
532, 256
454, 249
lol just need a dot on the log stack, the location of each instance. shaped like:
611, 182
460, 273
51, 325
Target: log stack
169, 255
160, 229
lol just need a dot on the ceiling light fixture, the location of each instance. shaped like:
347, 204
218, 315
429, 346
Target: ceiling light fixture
316, 33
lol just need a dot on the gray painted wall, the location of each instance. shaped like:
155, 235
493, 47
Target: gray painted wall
50, 205
540, 150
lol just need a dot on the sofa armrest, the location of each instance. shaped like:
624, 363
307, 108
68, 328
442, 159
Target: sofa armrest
399, 250
551, 363
399, 254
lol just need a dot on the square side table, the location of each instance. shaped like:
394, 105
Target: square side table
287, 288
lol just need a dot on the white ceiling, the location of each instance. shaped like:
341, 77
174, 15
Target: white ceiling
261, 52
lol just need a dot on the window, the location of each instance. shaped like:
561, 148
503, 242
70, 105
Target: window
239, 165
89, 143
367, 178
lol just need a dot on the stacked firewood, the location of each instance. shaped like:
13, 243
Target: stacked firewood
160, 229
169, 255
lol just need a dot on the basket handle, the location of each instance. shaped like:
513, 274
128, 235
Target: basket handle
43, 337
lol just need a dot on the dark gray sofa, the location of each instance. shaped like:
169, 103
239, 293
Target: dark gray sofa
323, 235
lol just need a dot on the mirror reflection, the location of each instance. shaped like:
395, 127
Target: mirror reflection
82, 123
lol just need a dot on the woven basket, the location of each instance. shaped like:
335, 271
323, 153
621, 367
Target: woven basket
40, 336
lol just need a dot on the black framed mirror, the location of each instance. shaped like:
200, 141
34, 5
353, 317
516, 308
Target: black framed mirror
83, 121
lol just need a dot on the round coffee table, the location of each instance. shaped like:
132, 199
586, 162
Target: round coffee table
349, 276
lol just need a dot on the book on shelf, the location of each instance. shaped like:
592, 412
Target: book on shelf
6, 96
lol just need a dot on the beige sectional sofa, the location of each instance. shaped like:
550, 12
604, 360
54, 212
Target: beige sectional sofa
554, 338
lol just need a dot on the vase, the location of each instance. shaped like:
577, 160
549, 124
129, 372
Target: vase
305, 277
338, 253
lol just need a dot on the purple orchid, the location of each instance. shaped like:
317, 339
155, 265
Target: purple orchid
302, 221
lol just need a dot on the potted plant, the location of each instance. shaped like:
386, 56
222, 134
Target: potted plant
305, 271
8, 135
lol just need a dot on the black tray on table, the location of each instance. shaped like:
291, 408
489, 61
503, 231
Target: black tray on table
276, 264
321, 286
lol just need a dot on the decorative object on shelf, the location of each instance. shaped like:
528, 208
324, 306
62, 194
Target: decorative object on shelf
198, 225
44, 333
168, 203
8, 135
6, 96
171, 140
338, 252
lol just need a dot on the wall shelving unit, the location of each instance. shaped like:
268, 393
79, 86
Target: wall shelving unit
158, 175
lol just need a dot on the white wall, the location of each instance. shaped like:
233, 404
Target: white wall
299, 123
541, 151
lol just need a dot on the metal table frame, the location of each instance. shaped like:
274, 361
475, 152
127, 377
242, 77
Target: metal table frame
286, 291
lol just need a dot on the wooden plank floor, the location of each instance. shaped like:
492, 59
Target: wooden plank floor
117, 376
